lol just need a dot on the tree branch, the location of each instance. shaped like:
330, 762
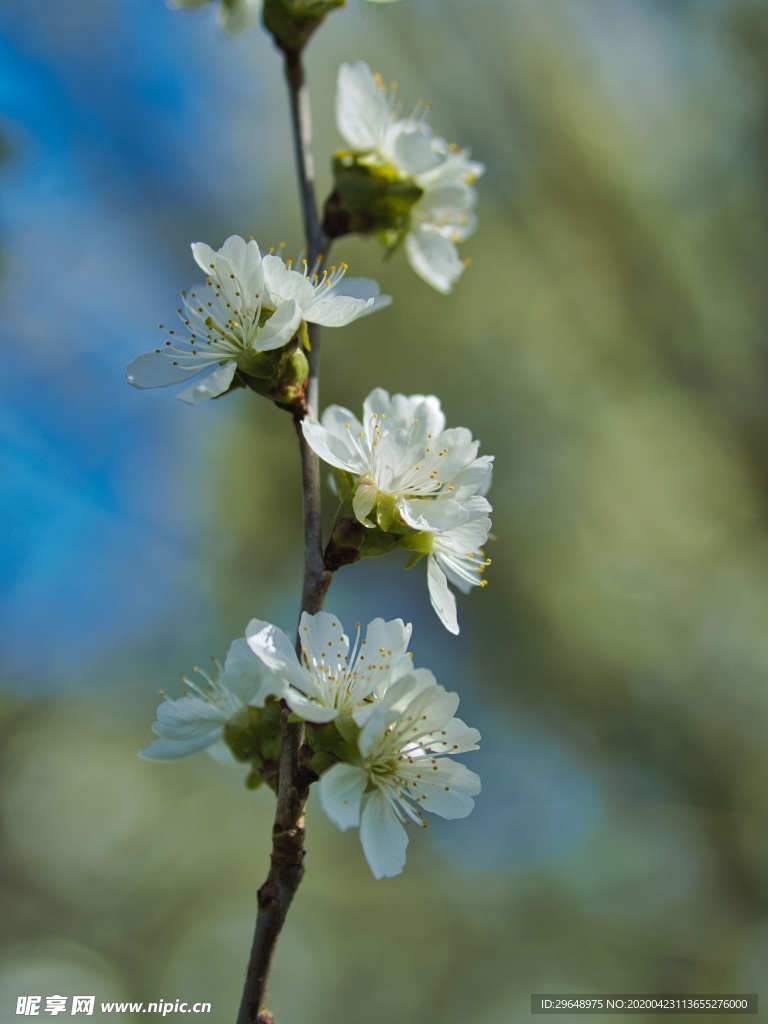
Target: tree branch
287, 861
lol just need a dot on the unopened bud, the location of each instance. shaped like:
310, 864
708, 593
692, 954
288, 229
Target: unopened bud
292, 22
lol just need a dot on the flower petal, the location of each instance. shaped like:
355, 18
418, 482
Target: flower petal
212, 386
441, 597
332, 449
383, 837
340, 790
448, 791
434, 258
362, 109
157, 370
432, 516
337, 310
273, 647
283, 283
280, 327
165, 749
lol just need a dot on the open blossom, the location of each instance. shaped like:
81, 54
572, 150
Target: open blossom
332, 678
406, 468
196, 721
400, 455
402, 770
233, 15
249, 304
368, 118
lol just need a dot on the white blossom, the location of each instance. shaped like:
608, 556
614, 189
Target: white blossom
401, 453
249, 304
402, 770
368, 118
196, 721
233, 15
405, 464
332, 678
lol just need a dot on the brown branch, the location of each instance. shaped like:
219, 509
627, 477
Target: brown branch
287, 861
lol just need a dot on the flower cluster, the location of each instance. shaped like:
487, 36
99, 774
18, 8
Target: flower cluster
409, 475
418, 186
249, 305
379, 734
385, 728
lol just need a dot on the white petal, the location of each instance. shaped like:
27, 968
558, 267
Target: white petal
157, 370
413, 152
323, 637
473, 479
283, 283
307, 709
362, 109
205, 257
449, 790
244, 676
434, 258
340, 791
245, 260
432, 516
337, 310
188, 718
273, 647
454, 738
212, 386
280, 327
442, 599
383, 837
165, 749
331, 449
363, 288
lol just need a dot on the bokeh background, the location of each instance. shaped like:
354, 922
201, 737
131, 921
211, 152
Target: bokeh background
607, 344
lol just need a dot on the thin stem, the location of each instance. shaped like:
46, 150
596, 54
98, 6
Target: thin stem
287, 862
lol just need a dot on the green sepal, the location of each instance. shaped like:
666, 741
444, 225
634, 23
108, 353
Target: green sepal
304, 336
345, 483
253, 736
376, 543
348, 729
322, 761
414, 560
243, 733
386, 511
369, 199
280, 375
420, 541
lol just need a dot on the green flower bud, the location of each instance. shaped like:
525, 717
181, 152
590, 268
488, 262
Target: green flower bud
369, 199
280, 375
292, 22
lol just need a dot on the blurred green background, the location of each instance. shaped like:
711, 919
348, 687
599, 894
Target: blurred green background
606, 344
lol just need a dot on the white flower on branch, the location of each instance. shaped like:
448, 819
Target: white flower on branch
405, 150
249, 304
233, 15
332, 678
402, 770
196, 721
408, 471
